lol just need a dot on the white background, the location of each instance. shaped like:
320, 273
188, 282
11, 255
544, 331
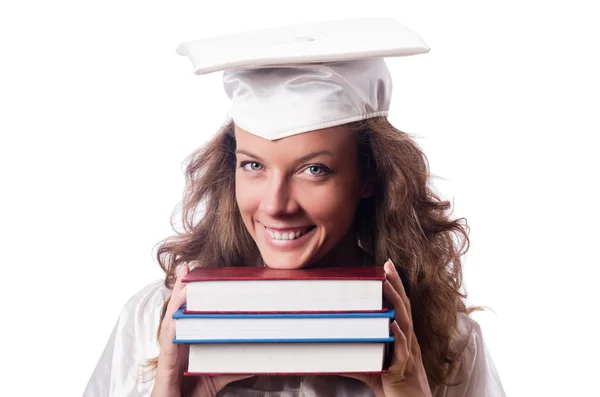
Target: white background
97, 113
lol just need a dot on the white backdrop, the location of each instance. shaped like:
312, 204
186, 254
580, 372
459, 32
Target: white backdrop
97, 113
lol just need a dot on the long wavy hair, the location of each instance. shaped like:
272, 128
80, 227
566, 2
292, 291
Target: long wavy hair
403, 220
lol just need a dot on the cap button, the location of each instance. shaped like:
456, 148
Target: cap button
301, 39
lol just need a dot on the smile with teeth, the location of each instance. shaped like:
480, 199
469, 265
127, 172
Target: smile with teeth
287, 234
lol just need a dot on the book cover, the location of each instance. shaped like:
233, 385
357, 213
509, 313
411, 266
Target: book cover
312, 340
265, 273
186, 373
288, 358
283, 326
182, 313
262, 289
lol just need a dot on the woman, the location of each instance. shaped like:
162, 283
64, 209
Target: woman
309, 172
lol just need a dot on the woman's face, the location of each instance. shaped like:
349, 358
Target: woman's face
298, 195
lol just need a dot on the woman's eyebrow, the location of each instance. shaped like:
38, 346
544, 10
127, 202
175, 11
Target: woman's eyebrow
303, 158
315, 154
248, 154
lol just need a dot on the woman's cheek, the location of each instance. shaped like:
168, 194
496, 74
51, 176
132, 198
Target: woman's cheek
329, 206
246, 196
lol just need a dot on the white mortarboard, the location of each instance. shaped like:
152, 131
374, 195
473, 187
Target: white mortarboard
288, 80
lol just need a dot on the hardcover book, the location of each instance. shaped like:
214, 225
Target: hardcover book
289, 358
262, 289
194, 328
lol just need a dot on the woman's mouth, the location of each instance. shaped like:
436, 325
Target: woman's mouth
287, 238
288, 234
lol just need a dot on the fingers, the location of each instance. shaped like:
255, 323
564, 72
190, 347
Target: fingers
401, 346
223, 380
183, 271
178, 295
402, 327
394, 278
177, 299
403, 315
172, 357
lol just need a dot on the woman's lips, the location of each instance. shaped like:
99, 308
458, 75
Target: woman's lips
287, 234
287, 238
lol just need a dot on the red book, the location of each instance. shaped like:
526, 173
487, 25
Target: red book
262, 289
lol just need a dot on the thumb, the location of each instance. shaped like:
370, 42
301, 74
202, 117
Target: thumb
223, 380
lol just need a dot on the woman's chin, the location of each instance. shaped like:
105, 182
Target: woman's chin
290, 262
285, 265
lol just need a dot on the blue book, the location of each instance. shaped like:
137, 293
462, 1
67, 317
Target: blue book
353, 327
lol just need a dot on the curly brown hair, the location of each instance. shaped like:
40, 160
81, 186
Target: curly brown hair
403, 220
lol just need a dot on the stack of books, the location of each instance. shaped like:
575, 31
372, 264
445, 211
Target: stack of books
256, 320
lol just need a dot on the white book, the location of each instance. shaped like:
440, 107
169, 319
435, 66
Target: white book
282, 358
191, 328
261, 289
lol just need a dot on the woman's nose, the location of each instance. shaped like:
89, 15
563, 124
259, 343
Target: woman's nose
278, 198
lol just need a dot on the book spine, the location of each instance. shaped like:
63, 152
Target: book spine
281, 373
183, 313
308, 340
385, 309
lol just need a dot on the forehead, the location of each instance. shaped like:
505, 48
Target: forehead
337, 140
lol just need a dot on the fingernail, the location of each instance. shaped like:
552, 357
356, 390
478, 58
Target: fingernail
388, 265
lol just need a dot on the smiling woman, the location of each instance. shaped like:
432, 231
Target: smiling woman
308, 172
297, 196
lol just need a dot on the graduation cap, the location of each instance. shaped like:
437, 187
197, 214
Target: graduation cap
288, 80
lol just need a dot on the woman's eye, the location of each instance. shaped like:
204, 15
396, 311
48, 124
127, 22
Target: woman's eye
251, 166
317, 170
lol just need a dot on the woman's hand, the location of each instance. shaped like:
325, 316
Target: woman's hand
173, 358
406, 375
